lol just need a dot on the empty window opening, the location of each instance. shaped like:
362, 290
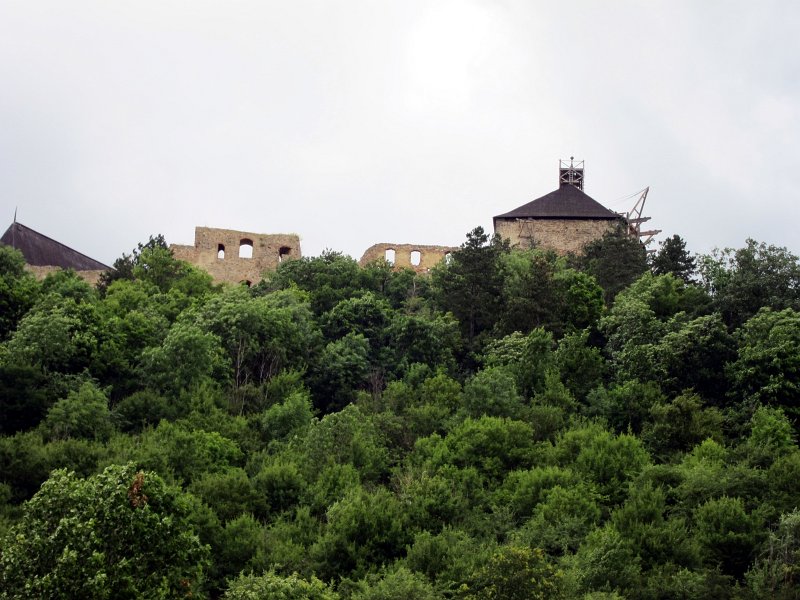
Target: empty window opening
283, 252
389, 256
221, 251
448, 258
416, 257
246, 249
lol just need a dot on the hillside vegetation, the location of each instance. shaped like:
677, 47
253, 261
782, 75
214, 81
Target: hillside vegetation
514, 425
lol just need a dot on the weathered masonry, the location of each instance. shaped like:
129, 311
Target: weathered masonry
232, 256
564, 220
44, 255
420, 258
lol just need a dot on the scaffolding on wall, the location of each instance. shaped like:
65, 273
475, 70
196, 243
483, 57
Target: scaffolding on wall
634, 219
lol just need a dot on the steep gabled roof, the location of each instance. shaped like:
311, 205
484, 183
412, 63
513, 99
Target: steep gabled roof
40, 250
567, 202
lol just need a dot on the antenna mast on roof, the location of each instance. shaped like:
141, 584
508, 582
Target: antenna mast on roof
570, 173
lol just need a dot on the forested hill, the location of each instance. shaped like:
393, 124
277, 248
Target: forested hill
514, 425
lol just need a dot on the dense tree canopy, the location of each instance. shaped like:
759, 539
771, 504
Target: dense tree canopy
514, 424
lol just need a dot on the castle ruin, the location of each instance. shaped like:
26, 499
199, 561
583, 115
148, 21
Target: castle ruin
232, 256
417, 257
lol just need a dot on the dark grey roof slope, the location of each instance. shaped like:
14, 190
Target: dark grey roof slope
567, 202
39, 250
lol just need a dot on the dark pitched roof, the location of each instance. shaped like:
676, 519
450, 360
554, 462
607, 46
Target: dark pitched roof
567, 202
39, 250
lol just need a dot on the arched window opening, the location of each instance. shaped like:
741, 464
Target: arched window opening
416, 257
283, 252
246, 249
390, 256
221, 251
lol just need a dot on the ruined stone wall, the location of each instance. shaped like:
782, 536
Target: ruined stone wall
218, 252
40, 272
429, 256
562, 235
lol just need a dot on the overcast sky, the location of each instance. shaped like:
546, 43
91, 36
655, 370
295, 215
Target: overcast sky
413, 121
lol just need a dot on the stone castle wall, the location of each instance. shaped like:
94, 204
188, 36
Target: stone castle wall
40, 272
217, 251
562, 235
429, 256
223, 253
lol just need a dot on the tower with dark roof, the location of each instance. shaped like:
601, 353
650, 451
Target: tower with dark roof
564, 220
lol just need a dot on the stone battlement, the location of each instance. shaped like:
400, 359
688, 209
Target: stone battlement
238, 256
418, 257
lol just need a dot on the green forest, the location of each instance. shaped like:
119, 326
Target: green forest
513, 425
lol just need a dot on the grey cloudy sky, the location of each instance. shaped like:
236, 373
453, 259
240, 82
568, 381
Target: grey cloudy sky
363, 121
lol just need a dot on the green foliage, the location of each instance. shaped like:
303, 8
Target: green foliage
24, 464
767, 368
744, 280
141, 409
626, 406
652, 336
616, 260
183, 454
67, 284
447, 558
57, 335
528, 357
774, 575
346, 437
398, 584
522, 491
771, 436
328, 278
187, 358
407, 436
18, 290
694, 356
673, 258
606, 460
229, 493
261, 335
492, 392
279, 486
120, 534
531, 299
580, 366
727, 533
516, 573
285, 419
470, 285
679, 425
24, 397
364, 529
606, 562
490, 444
237, 546
82, 414
580, 299
271, 585
343, 368
562, 519
436, 500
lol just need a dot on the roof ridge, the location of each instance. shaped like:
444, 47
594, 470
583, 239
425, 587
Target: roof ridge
16, 225
566, 202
